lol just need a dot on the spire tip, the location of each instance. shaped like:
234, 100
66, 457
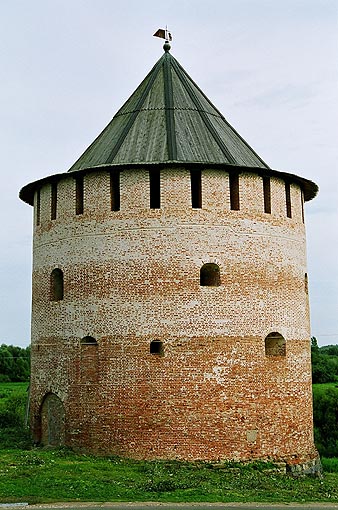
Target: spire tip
164, 34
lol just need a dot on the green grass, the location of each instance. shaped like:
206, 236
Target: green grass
8, 388
330, 465
13, 402
37, 475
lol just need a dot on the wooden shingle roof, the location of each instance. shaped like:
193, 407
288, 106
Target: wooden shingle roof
168, 119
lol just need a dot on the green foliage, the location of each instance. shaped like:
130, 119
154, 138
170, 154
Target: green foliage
14, 363
13, 404
330, 465
324, 362
325, 417
331, 350
13, 412
325, 402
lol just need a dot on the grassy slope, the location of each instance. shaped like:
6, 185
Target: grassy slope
42, 475
59, 475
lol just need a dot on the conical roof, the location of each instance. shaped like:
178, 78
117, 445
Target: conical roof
168, 119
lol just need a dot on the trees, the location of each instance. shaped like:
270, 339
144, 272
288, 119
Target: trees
325, 398
14, 363
325, 418
324, 362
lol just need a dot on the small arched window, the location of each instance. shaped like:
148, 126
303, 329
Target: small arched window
56, 285
88, 340
210, 275
275, 345
89, 368
156, 347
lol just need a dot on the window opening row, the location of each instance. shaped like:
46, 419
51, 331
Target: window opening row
209, 277
155, 194
275, 345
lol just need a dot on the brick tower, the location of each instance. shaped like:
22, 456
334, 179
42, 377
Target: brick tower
170, 314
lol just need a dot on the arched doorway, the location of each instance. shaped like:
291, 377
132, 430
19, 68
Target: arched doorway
52, 421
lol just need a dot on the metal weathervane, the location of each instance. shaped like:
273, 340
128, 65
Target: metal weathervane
164, 34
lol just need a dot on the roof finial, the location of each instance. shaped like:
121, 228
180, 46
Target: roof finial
164, 34
166, 46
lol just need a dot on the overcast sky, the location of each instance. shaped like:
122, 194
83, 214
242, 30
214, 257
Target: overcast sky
270, 66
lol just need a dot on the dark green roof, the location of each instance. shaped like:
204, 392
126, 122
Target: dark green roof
168, 119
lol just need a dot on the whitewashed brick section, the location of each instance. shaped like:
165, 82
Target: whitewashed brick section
251, 193
215, 191
175, 190
135, 193
278, 203
96, 191
65, 200
133, 276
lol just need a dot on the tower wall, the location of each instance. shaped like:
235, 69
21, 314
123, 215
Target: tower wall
132, 276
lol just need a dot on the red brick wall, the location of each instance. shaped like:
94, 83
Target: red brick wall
132, 276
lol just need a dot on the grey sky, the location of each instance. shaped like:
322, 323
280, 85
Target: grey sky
270, 66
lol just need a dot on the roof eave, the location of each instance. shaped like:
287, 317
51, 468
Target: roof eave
310, 189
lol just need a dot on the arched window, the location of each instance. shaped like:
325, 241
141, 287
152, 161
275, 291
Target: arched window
89, 368
275, 345
56, 285
88, 340
156, 347
210, 275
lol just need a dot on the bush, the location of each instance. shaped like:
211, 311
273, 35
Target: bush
330, 465
12, 411
325, 417
324, 363
13, 432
